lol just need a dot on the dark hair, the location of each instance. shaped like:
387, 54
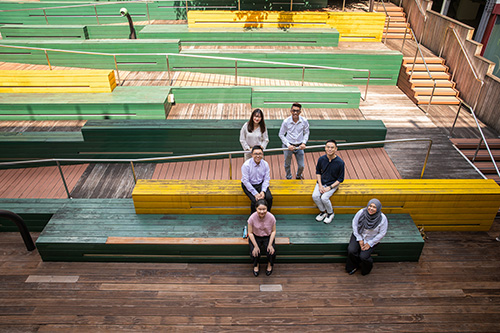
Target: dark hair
261, 202
331, 140
256, 147
262, 124
297, 105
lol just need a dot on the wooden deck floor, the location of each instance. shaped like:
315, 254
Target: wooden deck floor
453, 288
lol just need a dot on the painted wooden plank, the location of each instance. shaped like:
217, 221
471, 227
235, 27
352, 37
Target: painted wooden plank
186, 240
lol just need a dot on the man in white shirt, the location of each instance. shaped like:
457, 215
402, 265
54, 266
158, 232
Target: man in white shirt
294, 133
255, 177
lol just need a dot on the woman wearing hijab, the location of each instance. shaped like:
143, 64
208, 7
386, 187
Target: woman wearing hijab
369, 226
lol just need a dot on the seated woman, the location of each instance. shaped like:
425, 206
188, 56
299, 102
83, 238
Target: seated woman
369, 226
261, 236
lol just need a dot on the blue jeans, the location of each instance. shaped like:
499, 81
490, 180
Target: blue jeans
299, 156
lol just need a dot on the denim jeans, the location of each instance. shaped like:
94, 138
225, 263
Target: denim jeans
299, 156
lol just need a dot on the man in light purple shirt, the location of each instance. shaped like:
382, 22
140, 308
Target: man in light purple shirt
294, 133
255, 176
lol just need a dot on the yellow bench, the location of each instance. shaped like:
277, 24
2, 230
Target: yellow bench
57, 81
436, 204
352, 26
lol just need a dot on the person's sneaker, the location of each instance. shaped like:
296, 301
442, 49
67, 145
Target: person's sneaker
329, 218
498, 239
321, 216
299, 177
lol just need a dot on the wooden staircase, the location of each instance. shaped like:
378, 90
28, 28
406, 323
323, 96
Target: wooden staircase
396, 20
418, 87
483, 161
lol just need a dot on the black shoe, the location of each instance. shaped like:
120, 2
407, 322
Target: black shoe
269, 272
255, 273
353, 271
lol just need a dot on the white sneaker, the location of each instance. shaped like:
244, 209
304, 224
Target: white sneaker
498, 238
329, 218
321, 216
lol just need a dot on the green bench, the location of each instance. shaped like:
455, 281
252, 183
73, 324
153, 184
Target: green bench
36, 213
236, 36
149, 138
131, 62
84, 230
123, 103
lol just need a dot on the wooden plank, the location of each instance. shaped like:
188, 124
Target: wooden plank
186, 240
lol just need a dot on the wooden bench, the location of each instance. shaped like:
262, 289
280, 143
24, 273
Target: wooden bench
435, 204
36, 213
9, 31
57, 81
123, 103
352, 26
241, 36
89, 230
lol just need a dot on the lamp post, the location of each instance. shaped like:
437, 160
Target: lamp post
124, 12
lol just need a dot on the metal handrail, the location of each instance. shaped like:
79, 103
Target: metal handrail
483, 138
114, 55
387, 17
229, 153
423, 30
419, 50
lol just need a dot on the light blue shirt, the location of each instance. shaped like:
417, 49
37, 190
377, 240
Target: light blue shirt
370, 236
294, 132
254, 174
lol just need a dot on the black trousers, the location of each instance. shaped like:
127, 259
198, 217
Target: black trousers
258, 188
262, 243
357, 258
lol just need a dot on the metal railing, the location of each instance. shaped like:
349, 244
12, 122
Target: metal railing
482, 139
388, 18
197, 156
125, 3
167, 55
425, 24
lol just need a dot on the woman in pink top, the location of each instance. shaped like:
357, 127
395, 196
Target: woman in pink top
261, 236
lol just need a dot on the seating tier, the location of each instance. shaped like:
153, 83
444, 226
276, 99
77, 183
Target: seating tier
108, 230
435, 204
122, 103
352, 26
57, 81
149, 138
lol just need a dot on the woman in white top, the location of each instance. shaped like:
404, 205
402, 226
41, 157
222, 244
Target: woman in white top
369, 226
254, 132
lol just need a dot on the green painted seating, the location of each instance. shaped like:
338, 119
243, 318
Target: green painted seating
239, 36
85, 230
35, 212
122, 103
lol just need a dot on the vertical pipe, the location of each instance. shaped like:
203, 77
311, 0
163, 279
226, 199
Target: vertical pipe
455, 121
133, 171
343, 5
426, 159
147, 11
48, 61
387, 29
45, 15
168, 70
303, 74
291, 5
96, 16
187, 9
64, 180
236, 72
367, 83
432, 95
477, 150
239, 4
230, 167
117, 72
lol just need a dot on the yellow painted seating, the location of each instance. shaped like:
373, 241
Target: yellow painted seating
436, 204
352, 26
57, 81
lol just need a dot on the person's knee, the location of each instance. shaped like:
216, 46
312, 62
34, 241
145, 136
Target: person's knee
365, 256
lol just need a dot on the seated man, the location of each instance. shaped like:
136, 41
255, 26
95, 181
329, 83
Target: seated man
255, 176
